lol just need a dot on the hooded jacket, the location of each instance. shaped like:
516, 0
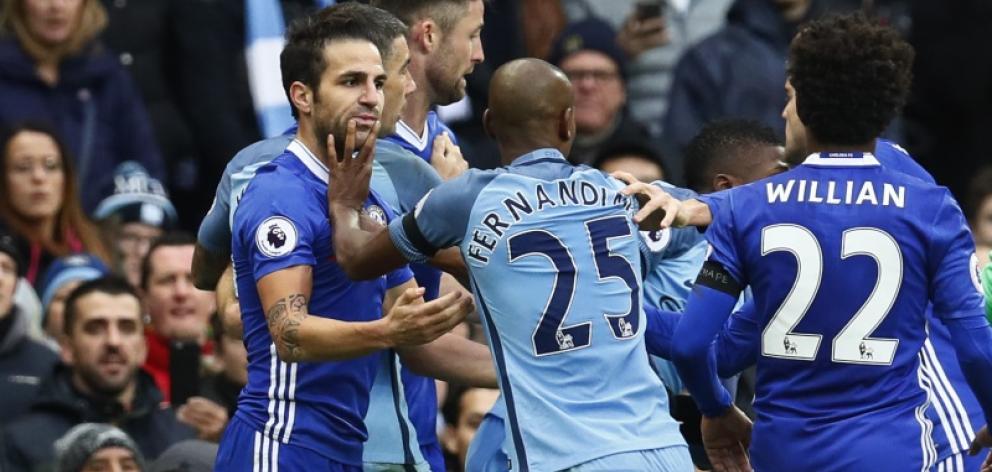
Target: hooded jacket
27, 442
738, 72
94, 105
24, 363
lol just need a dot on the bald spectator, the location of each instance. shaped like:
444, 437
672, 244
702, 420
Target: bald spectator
588, 54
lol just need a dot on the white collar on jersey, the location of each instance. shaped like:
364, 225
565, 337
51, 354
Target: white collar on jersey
309, 159
826, 159
404, 131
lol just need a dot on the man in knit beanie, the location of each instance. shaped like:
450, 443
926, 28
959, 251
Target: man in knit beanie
97, 446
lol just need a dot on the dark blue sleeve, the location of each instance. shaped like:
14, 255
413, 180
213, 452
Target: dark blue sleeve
661, 328
952, 264
693, 351
281, 226
973, 345
714, 200
738, 343
440, 219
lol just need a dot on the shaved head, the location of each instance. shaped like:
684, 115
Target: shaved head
530, 106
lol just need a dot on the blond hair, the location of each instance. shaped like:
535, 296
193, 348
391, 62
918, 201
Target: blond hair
91, 22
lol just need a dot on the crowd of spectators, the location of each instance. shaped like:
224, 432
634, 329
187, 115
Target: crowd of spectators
117, 118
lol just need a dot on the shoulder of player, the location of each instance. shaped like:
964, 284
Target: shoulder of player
260, 151
466, 187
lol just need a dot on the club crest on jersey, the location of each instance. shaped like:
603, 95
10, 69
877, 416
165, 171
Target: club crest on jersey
376, 213
976, 274
658, 239
276, 236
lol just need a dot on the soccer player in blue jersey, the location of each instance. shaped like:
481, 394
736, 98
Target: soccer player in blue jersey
954, 411
312, 359
865, 263
401, 179
554, 262
446, 45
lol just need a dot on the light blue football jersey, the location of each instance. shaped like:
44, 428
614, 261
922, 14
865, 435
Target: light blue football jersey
843, 377
555, 263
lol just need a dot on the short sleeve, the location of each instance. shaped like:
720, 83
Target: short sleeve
714, 200
721, 235
215, 230
955, 287
412, 177
280, 228
439, 220
398, 277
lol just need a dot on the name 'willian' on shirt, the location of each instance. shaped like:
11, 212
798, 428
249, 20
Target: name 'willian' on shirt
848, 192
493, 226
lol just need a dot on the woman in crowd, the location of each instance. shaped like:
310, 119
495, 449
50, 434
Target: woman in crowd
38, 199
53, 69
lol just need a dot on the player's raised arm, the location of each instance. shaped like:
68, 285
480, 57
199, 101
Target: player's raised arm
659, 209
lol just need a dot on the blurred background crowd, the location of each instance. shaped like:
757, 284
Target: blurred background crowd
119, 116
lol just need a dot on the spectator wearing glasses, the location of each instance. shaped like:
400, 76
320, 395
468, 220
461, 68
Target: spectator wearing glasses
588, 54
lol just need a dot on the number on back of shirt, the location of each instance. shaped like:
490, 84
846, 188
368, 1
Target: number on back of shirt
551, 335
853, 344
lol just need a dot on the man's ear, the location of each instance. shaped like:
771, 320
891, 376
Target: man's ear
302, 97
426, 35
566, 124
487, 124
725, 181
65, 351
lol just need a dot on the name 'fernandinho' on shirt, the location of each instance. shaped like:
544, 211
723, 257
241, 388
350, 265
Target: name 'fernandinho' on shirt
848, 192
490, 230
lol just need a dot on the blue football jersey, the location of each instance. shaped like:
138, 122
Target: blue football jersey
423, 144
282, 222
842, 256
556, 271
400, 180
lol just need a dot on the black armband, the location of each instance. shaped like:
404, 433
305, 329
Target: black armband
416, 237
714, 275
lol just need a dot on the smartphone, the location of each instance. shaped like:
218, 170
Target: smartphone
184, 372
647, 9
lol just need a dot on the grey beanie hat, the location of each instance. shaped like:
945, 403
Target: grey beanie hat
77, 445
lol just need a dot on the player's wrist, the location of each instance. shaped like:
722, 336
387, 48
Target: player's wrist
379, 334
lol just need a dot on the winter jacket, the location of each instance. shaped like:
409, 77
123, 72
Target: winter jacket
27, 442
739, 72
95, 106
24, 363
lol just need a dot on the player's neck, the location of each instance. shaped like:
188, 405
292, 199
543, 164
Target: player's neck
814, 146
513, 151
415, 112
306, 136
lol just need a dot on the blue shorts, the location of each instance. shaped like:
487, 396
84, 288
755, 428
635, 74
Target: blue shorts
961, 462
665, 459
245, 450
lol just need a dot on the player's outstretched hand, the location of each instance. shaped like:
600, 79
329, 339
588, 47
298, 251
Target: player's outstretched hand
982, 441
412, 322
350, 174
446, 158
658, 208
726, 439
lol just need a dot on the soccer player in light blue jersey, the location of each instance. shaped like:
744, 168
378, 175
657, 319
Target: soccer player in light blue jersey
554, 262
312, 335
865, 264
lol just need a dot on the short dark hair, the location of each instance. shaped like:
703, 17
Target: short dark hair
628, 148
851, 78
109, 284
443, 12
302, 59
174, 238
715, 149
